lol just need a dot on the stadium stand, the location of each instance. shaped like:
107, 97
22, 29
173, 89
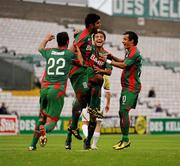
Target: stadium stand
22, 31
26, 36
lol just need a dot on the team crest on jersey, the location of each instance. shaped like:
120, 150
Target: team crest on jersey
57, 53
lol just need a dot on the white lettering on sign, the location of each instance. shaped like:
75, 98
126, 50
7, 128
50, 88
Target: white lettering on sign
156, 126
172, 126
129, 7
27, 125
164, 8
169, 9
7, 125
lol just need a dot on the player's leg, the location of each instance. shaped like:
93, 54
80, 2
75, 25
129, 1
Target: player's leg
42, 119
36, 134
55, 98
79, 84
97, 133
85, 122
95, 84
128, 100
91, 129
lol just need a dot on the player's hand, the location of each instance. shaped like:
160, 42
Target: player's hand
76, 31
107, 108
49, 37
102, 58
97, 69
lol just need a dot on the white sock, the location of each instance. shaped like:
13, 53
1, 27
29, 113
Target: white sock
85, 130
95, 138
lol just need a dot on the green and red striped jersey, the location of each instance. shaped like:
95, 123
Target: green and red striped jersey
84, 41
94, 59
130, 78
58, 65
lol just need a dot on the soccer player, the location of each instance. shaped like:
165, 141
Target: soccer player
99, 39
130, 82
79, 75
58, 63
105, 106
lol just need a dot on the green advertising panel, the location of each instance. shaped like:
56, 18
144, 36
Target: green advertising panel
164, 126
151, 9
27, 125
138, 125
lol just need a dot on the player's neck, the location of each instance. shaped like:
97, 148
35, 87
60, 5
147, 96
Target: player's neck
62, 47
100, 49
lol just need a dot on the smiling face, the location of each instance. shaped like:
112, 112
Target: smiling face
126, 42
99, 40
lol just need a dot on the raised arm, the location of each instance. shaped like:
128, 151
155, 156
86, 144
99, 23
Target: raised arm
105, 71
44, 42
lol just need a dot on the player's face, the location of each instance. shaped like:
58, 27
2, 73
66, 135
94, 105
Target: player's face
96, 26
99, 40
126, 42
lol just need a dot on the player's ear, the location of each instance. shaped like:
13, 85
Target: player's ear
67, 42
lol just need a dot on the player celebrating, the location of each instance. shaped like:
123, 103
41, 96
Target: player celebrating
95, 73
130, 82
79, 75
58, 63
99, 39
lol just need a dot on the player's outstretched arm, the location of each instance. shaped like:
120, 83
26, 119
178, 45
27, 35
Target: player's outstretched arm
105, 71
120, 65
110, 57
44, 42
116, 59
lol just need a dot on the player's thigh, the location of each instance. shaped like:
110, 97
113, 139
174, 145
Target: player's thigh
79, 83
128, 100
55, 102
43, 98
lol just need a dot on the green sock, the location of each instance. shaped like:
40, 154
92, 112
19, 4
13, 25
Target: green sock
36, 134
91, 129
76, 112
69, 137
124, 123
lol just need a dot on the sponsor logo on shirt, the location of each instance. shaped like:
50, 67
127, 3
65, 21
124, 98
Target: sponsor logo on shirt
94, 58
57, 53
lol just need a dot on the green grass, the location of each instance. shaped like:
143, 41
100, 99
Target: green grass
151, 150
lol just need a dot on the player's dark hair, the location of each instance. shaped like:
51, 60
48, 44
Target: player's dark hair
99, 31
62, 38
132, 36
91, 19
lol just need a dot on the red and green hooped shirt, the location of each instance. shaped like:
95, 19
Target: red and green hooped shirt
130, 78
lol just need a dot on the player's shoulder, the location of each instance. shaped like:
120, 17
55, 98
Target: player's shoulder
134, 52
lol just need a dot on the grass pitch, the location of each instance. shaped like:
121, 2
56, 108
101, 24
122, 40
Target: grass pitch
151, 150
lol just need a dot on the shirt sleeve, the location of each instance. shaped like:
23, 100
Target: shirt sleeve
43, 52
131, 60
